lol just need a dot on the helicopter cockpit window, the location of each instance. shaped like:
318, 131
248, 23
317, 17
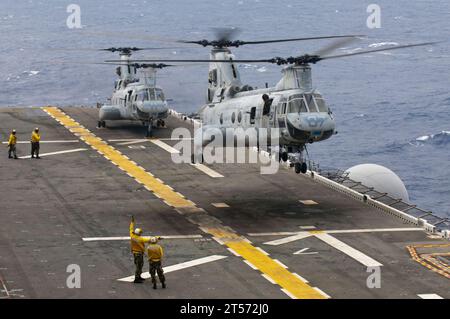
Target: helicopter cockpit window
310, 102
143, 95
297, 105
159, 95
320, 102
151, 94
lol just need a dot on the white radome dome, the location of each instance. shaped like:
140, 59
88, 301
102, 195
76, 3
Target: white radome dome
380, 178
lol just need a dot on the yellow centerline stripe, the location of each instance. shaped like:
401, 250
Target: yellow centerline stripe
256, 257
160, 189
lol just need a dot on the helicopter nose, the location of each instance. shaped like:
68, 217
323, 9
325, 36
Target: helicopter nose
153, 107
311, 127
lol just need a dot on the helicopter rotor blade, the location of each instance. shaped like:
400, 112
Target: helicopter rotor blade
339, 43
193, 61
303, 59
350, 36
227, 42
377, 50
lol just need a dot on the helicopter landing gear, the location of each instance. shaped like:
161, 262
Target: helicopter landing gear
149, 130
101, 124
300, 168
149, 126
295, 156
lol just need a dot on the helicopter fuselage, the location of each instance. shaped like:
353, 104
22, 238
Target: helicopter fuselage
301, 117
135, 102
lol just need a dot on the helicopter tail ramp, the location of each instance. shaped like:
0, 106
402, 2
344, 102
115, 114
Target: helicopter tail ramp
243, 235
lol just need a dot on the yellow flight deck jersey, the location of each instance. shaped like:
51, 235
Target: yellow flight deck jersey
154, 252
137, 242
35, 137
12, 140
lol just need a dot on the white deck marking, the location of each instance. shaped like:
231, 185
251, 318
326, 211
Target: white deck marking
47, 142
339, 231
348, 250
220, 205
308, 202
180, 266
430, 296
57, 153
282, 233
289, 239
303, 252
132, 142
128, 238
205, 169
165, 146
208, 171
288, 293
320, 291
375, 230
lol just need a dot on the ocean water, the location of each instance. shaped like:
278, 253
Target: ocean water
391, 108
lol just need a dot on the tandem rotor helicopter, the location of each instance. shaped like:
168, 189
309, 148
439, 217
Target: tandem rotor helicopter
293, 105
135, 97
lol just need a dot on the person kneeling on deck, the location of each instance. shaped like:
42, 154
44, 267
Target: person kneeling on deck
138, 249
12, 145
35, 139
155, 254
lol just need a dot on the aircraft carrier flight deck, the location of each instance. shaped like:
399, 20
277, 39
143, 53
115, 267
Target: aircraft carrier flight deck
228, 231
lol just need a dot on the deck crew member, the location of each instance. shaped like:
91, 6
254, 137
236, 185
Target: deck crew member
138, 250
12, 144
155, 254
35, 139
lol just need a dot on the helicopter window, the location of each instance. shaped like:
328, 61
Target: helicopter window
221, 118
143, 95
159, 95
252, 115
297, 106
151, 94
233, 117
321, 104
311, 105
240, 117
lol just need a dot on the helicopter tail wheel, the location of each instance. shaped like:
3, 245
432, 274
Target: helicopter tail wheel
163, 124
103, 124
284, 156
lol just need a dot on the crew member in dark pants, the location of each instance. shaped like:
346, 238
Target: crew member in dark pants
12, 145
155, 254
35, 139
138, 250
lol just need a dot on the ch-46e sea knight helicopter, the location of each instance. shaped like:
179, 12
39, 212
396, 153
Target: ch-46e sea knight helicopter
293, 105
135, 98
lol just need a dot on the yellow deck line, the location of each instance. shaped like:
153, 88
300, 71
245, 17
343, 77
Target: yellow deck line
280, 275
137, 172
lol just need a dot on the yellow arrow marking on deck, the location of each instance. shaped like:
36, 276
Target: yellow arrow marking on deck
280, 275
